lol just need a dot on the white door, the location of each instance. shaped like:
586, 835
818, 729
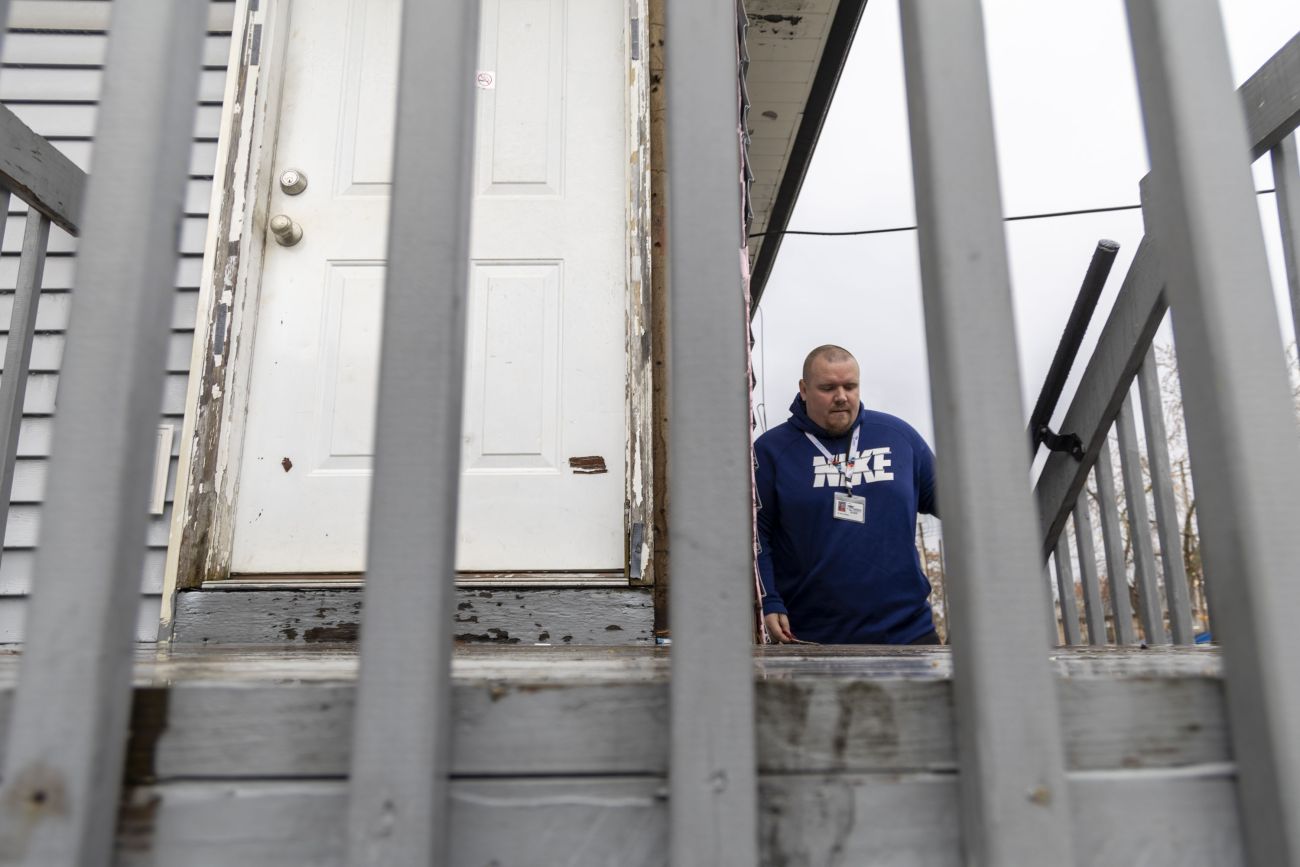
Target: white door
545, 364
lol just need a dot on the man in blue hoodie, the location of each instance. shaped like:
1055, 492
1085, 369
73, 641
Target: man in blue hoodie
839, 487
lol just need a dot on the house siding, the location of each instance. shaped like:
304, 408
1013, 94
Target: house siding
50, 78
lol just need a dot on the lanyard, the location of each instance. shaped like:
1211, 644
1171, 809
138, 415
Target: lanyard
830, 458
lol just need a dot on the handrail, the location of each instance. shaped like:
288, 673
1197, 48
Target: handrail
1271, 99
1094, 280
39, 174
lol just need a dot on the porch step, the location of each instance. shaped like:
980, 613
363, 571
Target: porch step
497, 615
239, 756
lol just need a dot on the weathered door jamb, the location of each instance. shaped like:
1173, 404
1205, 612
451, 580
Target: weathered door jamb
216, 401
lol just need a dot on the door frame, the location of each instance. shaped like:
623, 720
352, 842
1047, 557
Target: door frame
212, 435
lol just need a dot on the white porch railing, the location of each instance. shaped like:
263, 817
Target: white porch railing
62, 769
1125, 360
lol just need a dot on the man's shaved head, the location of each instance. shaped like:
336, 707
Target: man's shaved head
830, 352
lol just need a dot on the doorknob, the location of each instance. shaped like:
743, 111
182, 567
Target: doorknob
286, 231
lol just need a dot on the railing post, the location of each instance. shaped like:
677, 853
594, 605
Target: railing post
398, 809
1139, 527
18, 349
1241, 426
713, 803
1162, 489
1013, 797
63, 765
1093, 611
1286, 180
1116, 566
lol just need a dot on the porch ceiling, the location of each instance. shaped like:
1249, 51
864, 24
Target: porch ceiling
796, 50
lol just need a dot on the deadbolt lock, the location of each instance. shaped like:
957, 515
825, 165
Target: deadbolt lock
293, 182
286, 231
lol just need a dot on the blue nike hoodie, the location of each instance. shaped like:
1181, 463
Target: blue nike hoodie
844, 582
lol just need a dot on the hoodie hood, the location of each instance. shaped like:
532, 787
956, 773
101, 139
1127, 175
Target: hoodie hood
799, 418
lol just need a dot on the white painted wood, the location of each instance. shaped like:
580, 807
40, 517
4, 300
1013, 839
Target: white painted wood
1150, 610
1168, 525
1205, 217
69, 726
398, 811
1286, 180
1093, 611
161, 468
1014, 804
1113, 542
18, 349
1065, 588
713, 802
1161, 819
545, 348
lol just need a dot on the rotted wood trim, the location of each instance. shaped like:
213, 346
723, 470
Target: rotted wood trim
585, 616
212, 434
641, 466
658, 106
1160, 819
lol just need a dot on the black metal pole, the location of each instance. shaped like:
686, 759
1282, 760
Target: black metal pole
1066, 351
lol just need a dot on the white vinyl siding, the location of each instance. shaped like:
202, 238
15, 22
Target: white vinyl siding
51, 77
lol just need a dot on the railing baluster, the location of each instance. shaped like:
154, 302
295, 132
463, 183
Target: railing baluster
398, 810
1286, 180
5, 199
1162, 490
18, 351
1116, 566
713, 804
62, 768
1241, 425
1139, 527
1014, 802
1065, 587
1093, 611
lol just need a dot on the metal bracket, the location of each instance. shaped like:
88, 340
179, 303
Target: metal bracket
1068, 443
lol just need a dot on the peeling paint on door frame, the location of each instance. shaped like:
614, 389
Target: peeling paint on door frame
216, 401
639, 525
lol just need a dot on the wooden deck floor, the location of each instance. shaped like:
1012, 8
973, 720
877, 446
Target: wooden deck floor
239, 756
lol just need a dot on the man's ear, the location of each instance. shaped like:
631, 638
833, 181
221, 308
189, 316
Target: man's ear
803, 391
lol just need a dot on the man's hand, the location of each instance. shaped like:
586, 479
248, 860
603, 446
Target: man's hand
778, 626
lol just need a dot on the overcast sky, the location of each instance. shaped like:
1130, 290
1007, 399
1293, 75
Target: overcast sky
1069, 136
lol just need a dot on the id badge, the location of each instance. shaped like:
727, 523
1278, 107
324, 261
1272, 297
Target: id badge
849, 508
